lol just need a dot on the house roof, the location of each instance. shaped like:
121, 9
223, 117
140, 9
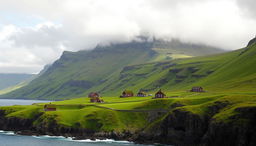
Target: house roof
197, 87
49, 106
93, 93
127, 92
160, 92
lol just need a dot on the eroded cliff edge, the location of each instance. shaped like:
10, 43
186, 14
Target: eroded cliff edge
215, 123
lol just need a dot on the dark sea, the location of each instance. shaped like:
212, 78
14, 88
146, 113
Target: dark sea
8, 138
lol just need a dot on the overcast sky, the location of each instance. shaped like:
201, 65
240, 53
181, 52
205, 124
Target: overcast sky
34, 33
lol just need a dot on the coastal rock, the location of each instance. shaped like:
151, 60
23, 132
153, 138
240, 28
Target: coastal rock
178, 128
238, 129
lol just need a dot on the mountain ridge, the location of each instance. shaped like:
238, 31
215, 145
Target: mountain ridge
77, 73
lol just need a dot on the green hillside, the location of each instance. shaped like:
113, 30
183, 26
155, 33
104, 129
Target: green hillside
232, 71
238, 73
76, 74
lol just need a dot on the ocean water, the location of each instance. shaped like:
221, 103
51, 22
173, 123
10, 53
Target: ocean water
7, 102
8, 138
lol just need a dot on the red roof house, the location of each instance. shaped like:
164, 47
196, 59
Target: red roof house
50, 107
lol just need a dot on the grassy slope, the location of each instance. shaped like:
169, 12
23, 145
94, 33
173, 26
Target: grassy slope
180, 74
238, 73
232, 72
77, 74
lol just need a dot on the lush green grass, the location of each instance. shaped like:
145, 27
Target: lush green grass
228, 72
132, 113
26, 112
168, 54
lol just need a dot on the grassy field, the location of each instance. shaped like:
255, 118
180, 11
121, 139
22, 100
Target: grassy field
132, 113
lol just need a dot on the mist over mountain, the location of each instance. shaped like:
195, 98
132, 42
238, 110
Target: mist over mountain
27, 29
77, 73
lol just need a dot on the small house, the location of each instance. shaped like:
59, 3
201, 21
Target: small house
93, 94
127, 93
50, 107
141, 94
197, 89
96, 100
160, 94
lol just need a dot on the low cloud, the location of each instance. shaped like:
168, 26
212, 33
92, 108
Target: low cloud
82, 24
248, 7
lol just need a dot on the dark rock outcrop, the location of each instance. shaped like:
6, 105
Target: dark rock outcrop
252, 41
178, 128
184, 128
237, 130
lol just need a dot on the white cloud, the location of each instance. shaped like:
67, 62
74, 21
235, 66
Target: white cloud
81, 24
248, 7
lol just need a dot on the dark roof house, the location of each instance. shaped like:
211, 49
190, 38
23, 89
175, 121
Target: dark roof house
197, 89
127, 93
141, 94
93, 94
160, 94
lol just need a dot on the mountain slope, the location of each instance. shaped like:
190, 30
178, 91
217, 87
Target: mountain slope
8, 80
233, 71
76, 74
238, 73
180, 74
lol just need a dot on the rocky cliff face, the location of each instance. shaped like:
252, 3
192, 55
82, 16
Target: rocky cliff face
179, 127
185, 128
238, 130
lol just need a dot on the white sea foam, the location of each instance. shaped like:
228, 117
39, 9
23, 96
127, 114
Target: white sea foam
53, 137
7, 132
103, 140
70, 138
84, 140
